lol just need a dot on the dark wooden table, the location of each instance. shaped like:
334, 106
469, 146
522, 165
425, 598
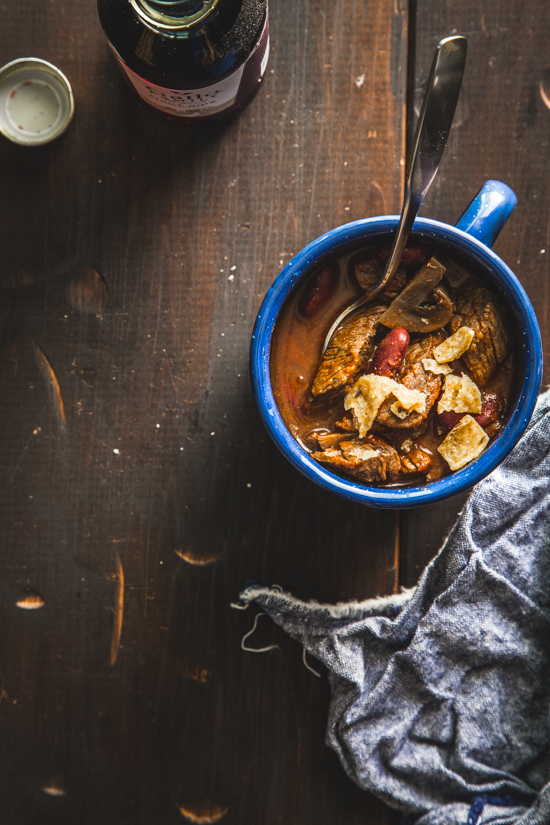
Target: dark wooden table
139, 489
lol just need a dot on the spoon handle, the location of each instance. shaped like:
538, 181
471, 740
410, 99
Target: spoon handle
432, 130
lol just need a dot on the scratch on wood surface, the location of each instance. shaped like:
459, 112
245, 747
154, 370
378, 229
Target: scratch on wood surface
397, 553
544, 95
198, 674
119, 611
54, 787
30, 601
204, 814
88, 292
193, 558
53, 386
167, 374
375, 200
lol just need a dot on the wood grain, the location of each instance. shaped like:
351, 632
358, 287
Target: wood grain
500, 132
139, 489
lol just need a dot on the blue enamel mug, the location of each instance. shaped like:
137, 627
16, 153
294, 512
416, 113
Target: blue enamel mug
470, 242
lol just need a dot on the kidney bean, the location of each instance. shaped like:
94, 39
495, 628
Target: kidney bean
317, 292
491, 407
450, 419
413, 255
389, 354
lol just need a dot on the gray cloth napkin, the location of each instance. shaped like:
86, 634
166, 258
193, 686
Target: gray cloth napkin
440, 696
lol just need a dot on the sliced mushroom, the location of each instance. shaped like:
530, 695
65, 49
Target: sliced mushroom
410, 310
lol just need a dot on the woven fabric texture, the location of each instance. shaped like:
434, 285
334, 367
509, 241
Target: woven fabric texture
442, 694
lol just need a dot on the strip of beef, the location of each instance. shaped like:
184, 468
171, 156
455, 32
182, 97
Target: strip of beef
346, 424
370, 460
326, 441
413, 375
417, 460
370, 271
424, 458
477, 308
348, 353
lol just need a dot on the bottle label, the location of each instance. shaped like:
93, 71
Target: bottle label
208, 100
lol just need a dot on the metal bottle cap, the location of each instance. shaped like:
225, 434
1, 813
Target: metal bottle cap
36, 101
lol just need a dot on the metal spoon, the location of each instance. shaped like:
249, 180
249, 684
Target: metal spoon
432, 131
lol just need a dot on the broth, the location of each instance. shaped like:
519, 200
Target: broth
296, 355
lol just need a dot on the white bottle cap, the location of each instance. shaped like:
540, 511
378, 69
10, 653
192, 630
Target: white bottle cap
36, 101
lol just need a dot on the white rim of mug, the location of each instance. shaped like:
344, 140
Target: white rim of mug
41, 66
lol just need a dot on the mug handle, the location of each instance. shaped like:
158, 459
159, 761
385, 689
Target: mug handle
488, 212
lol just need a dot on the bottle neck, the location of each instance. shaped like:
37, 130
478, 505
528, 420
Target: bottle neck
171, 17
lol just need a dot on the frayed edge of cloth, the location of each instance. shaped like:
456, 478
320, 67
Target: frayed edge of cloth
340, 610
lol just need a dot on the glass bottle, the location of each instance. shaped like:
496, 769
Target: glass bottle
189, 59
